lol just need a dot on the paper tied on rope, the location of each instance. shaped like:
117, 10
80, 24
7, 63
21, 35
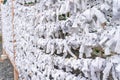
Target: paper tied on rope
116, 9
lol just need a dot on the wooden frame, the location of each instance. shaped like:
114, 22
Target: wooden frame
15, 70
16, 73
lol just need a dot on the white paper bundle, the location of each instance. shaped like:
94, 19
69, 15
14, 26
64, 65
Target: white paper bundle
100, 16
81, 51
88, 51
117, 50
67, 6
118, 68
107, 51
62, 9
116, 9
103, 41
43, 44
106, 71
105, 6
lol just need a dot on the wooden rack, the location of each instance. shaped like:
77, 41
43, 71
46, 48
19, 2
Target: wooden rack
16, 73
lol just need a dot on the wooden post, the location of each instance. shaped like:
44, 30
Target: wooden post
4, 54
15, 74
1, 60
14, 51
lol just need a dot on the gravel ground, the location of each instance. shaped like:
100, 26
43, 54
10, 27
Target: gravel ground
6, 69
